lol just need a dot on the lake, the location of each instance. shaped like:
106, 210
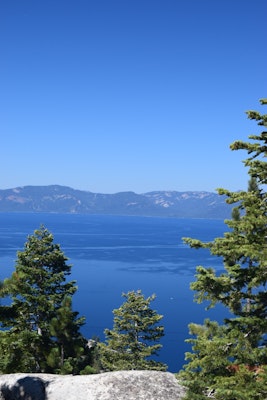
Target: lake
115, 254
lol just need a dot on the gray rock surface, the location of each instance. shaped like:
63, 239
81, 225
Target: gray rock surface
121, 385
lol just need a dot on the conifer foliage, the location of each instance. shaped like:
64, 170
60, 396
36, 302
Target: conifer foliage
134, 337
229, 361
42, 333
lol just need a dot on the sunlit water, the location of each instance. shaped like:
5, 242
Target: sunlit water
115, 254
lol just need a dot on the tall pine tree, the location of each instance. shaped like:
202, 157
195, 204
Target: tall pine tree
41, 331
229, 362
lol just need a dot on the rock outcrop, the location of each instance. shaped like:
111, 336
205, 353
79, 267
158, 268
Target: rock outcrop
121, 385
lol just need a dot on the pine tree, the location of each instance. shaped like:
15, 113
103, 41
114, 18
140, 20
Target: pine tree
17, 351
134, 337
67, 354
229, 361
40, 320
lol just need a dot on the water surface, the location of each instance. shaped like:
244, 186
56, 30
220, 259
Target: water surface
115, 254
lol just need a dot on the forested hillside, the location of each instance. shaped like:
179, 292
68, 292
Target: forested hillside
62, 199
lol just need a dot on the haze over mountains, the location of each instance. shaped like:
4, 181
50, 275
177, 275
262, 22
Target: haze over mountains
62, 199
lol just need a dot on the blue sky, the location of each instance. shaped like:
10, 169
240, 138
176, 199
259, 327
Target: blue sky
119, 95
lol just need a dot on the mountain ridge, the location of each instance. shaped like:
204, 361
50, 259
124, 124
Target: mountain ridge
64, 199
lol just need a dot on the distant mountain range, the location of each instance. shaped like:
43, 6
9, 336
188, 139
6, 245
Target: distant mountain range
62, 199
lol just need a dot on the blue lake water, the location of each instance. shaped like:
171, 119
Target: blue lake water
115, 254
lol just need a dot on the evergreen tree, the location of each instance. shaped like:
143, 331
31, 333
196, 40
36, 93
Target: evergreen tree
229, 361
68, 352
40, 320
134, 337
17, 351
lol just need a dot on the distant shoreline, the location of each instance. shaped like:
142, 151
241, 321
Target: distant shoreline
64, 200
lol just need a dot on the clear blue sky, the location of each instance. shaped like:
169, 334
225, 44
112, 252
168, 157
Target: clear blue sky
118, 95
